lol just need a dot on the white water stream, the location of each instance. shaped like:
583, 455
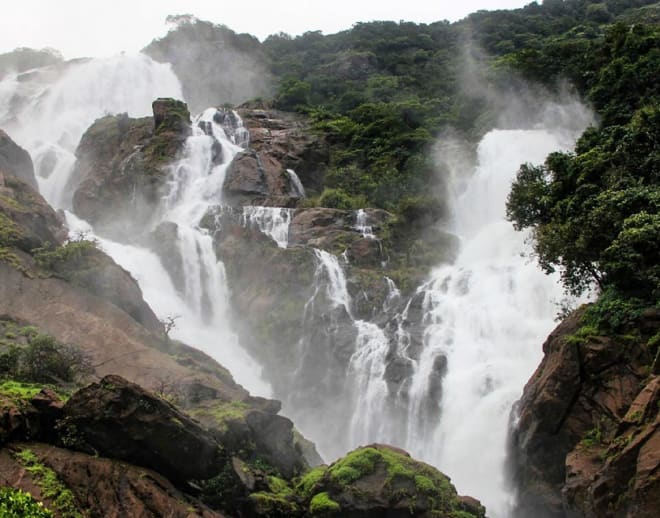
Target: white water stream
48, 112
488, 313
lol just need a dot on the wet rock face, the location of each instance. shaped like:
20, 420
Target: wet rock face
287, 139
587, 434
14, 160
121, 420
121, 167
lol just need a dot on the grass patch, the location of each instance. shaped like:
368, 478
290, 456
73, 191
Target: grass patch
50, 485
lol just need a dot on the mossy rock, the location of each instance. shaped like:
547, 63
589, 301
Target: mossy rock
378, 479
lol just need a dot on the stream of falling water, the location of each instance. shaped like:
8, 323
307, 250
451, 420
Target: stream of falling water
486, 314
48, 111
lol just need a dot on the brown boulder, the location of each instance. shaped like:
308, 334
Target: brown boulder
288, 139
121, 420
14, 160
29, 419
256, 178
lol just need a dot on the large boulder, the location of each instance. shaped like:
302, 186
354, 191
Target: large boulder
370, 482
585, 440
14, 160
121, 168
121, 420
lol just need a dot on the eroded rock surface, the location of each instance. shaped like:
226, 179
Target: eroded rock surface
586, 440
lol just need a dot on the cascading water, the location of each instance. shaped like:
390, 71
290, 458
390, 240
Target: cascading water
47, 110
487, 314
272, 221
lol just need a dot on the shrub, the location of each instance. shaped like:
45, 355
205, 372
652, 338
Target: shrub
15, 503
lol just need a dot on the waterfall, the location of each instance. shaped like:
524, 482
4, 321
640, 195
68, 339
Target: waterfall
297, 188
362, 226
488, 314
272, 221
47, 110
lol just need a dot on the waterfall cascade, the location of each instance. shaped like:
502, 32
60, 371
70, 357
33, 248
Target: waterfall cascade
483, 317
47, 110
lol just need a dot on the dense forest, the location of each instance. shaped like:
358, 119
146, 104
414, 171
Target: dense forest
381, 93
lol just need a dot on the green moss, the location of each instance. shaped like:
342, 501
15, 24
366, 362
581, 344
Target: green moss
308, 482
9, 257
582, 335
323, 505
268, 504
18, 391
279, 486
50, 485
222, 413
355, 465
15, 503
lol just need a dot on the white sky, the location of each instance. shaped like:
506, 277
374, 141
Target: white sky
105, 27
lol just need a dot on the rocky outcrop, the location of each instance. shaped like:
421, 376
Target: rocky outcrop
120, 170
586, 439
119, 419
287, 139
26, 220
255, 178
14, 160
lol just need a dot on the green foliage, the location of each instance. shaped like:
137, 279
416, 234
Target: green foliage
322, 505
50, 258
15, 503
595, 213
44, 360
339, 199
50, 485
293, 95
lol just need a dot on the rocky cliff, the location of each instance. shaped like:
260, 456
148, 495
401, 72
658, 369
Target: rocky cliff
191, 442
586, 434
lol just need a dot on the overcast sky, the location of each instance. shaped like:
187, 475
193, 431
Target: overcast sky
99, 28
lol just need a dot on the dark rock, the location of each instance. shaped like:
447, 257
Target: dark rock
121, 420
273, 435
14, 160
164, 240
32, 419
288, 139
